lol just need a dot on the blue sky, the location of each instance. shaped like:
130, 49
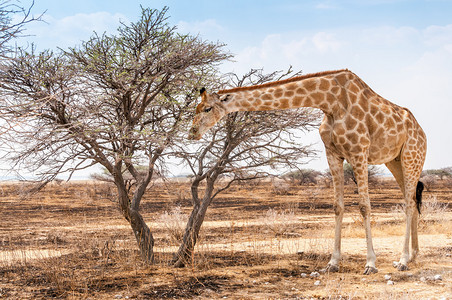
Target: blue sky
401, 48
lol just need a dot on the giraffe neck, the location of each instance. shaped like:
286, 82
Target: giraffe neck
316, 92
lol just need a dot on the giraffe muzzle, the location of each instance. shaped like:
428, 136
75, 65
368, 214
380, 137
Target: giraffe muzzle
194, 134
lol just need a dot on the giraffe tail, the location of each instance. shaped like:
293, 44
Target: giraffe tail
419, 189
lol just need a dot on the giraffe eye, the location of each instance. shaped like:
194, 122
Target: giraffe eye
208, 109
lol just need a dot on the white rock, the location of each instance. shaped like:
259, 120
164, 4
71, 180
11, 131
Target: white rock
315, 274
317, 283
390, 282
423, 279
387, 277
437, 277
303, 275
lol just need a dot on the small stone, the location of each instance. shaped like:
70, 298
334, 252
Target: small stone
118, 296
315, 274
317, 283
390, 282
423, 279
387, 277
303, 275
437, 277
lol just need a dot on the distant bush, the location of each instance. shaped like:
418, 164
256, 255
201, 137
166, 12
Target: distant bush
442, 174
280, 187
303, 176
429, 182
431, 177
349, 175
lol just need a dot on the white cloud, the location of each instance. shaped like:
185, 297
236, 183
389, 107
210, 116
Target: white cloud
99, 21
325, 42
438, 35
205, 28
388, 35
71, 30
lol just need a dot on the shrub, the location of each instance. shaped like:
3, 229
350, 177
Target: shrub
174, 222
303, 176
280, 187
432, 211
279, 222
440, 173
429, 182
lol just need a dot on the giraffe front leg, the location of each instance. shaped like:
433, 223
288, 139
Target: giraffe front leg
370, 267
361, 173
337, 171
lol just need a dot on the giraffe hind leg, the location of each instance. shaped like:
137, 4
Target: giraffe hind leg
412, 190
414, 223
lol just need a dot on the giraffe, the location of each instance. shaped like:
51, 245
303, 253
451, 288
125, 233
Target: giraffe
358, 126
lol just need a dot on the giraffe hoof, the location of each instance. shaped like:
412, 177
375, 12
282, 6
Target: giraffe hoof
400, 266
330, 269
370, 270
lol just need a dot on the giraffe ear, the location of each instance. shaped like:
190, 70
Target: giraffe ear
225, 98
203, 93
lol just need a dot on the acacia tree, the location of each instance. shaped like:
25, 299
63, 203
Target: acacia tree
117, 100
243, 146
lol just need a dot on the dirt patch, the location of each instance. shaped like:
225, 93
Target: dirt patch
189, 288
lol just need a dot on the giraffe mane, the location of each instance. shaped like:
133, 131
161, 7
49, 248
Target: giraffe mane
280, 82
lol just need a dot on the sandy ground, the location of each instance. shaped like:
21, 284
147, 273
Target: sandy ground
69, 242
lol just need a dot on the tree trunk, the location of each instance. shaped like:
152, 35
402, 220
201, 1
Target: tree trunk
185, 252
143, 236
142, 232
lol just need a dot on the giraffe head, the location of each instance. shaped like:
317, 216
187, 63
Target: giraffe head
212, 108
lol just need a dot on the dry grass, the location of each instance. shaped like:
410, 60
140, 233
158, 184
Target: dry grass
69, 241
174, 222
